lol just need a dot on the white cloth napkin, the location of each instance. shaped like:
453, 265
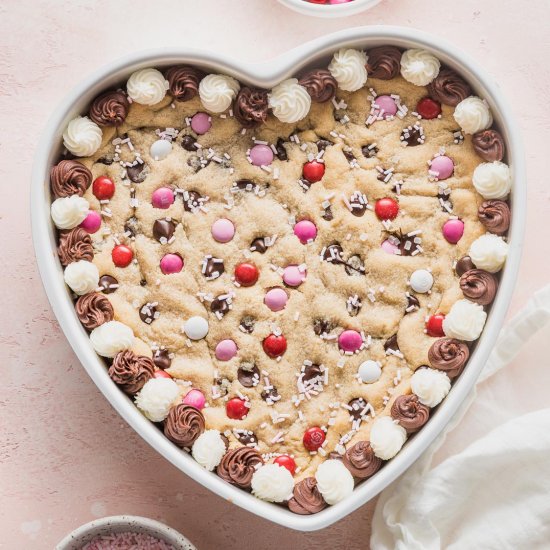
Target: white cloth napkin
493, 495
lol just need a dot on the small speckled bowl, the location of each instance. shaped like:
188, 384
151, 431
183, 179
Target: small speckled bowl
121, 524
329, 10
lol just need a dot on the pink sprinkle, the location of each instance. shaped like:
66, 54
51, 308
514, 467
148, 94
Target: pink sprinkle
201, 123
92, 222
261, 155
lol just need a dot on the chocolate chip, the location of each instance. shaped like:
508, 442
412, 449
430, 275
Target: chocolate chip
305, 184
161, 358
246, 437
311, 371
192, 200
322, 144
245, 185
258, 245
281, 150
357, 406
391, 343
355, 266
464, 264
224, 385
412, 302
220, 306
147, 312
333, 254
212, 268
353, 305
197, 163
131, 226
163, 230
327, 214
188, 143
348, 153
248, 375
358, 204
107, 160
137, 173
413, 135
143, 282
369, 151
322, 326
108, 284
444, 197
247, 324
270, 394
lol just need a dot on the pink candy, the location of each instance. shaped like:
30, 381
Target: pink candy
453, 230
92, 222
195, 398
305, 231
201, 123
350, 340
292, 275
389, 247
171, 263
223, 230
161, 374
276, 299
226, 350
385, 105
442, 167
163, 197
261, 155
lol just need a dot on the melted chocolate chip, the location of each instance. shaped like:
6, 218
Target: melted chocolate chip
391, 343
220, 306
248, 375
357, 406
163, 230
327, 214
464, 264
412, 302
245, 185
355, 266
413, 135
246, 437
108, 284
212, 268
305, 185
191, 201
444, 197
348, 153
131, 226
322, 144
358, 203
143, 282
107, 160
224, 385
369, 151
281, 150
258, 245
161, 358
311, 371
333, 254
247, 324
147, 312
270, 394
322, 326
137, 173
188, 143
353, 305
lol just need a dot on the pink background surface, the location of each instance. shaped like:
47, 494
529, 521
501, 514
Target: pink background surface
65, 456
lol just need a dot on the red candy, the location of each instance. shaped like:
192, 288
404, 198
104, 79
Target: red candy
103, 188
314, 438
434, 325
428, 108
246, 274
236, 408
386, 209
286, 462
313, 171
122, 255
274, 346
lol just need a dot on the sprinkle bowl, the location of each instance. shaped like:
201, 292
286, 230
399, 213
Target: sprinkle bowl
311, 54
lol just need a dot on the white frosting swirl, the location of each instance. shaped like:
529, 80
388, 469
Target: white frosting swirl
430, 385
473, 115
81, 276
465, 321
289, 101
68, 212
217, 91
489, 252
492, 180
387, 437
82, 137
156, 397
273, 483
419, 67
208, 449
111, 337
334, 481
348, 67
147, 86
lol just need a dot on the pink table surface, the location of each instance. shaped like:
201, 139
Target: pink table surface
65, 456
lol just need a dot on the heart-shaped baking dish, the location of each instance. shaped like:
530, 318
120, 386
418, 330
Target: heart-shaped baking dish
266, 75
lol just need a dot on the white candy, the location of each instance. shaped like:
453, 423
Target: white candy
147, 86
81, 276
160, 149
430, 385
489, 252
157, 397
196, 327
492, 180
68, 212
289, 101
272, 482
387, 437
208, 449
111, 337
334, 481
421, 281
419, 67
473, 115
217, 91
348, 67
369, 371
465, 321
82, 137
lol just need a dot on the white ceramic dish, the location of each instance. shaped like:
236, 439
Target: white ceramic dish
121, 524
330, 10
314, 53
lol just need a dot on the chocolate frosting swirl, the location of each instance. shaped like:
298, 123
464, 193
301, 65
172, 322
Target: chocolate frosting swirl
110, 108
409, 412
449, 355
94, 309
250, 107
75, 245
495, 216
361, 461
384, 62
479, 286
183, 425
131, 371
306, 498
70, 177
449, 88
320, 85
183, 82
238, 466
489, 145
